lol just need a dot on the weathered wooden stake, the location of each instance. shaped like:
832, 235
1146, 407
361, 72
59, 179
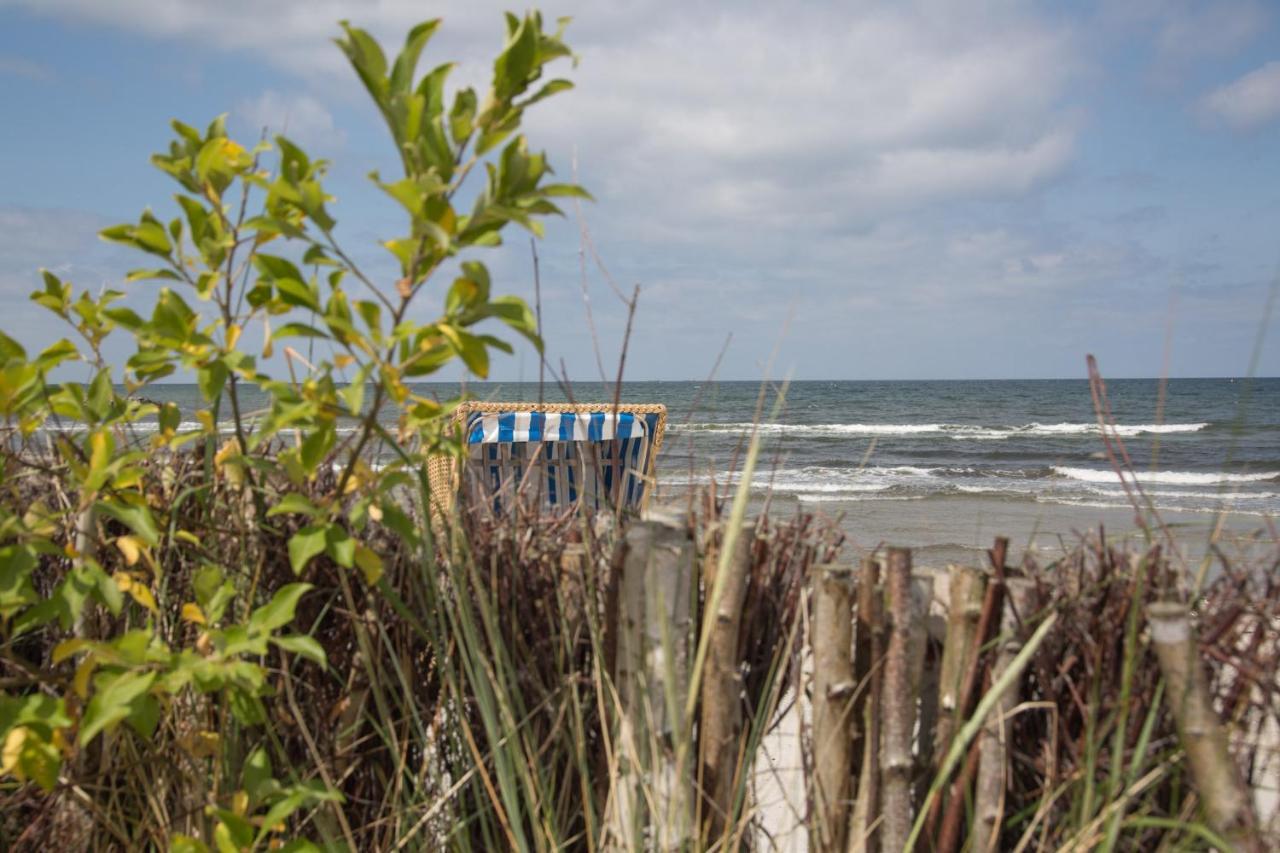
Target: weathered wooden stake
720, 728
869, 675
668, 586
993, 761
898, 705
967, 588
651, 803
1227, 803
833, 692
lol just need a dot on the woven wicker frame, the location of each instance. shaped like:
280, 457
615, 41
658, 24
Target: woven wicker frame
442, 472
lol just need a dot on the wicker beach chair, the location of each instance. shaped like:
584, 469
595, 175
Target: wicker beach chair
553, 455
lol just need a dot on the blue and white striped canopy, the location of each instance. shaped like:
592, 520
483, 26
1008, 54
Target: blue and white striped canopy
516, 427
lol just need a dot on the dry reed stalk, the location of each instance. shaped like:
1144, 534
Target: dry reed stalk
993, 759
833, 692
863, 833
1227, 803
897, 704
720, 728
968, 586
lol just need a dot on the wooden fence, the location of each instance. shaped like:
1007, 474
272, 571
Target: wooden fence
906, 684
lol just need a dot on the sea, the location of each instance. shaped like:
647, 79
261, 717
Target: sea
945, 466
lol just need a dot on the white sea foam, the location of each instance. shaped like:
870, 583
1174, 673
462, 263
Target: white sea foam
955, 431
1181, 478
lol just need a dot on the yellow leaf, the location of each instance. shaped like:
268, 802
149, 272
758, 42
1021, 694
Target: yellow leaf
227, 461
59, 741
142, 594
128, 479
268, 346
80, 683
240, 802
370, 564
200, 744
192, 613
123, 580
11, 751
67, 648
99, 450
187, 536
130, 547
342, 359
375, 512
205, 417
233, 336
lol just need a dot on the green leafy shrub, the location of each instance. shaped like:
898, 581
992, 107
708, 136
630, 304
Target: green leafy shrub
146, 598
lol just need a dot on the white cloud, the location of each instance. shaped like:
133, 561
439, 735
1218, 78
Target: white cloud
1189, 29
18, 66
1174, 36
752, 156
302, 118
1249, 102
751, 111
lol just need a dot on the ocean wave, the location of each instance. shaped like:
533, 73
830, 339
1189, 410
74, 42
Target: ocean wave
1181, 478
824, 498
960, 432
1093, 503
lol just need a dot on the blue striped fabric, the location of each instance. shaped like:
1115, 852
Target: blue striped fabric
600, 457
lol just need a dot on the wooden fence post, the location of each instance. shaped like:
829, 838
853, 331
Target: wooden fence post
868, 673
720, 728
652, 803
898, 704
968, 586
833, 692
993, 761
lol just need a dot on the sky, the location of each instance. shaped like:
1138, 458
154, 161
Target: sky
865, 190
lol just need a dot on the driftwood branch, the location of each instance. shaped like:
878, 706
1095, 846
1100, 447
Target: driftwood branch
1227, 804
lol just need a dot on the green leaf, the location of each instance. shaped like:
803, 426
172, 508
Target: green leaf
278, 612
259, 778
316, 446
306, 543
213, 591
298, 330
11, 349
407, 61
16, 590
137, 517
303, 646
57, 353
113, 703
340, 546
294, 503
552, 87
151, 275
38, 711
211, 379
368, 60
513, 66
